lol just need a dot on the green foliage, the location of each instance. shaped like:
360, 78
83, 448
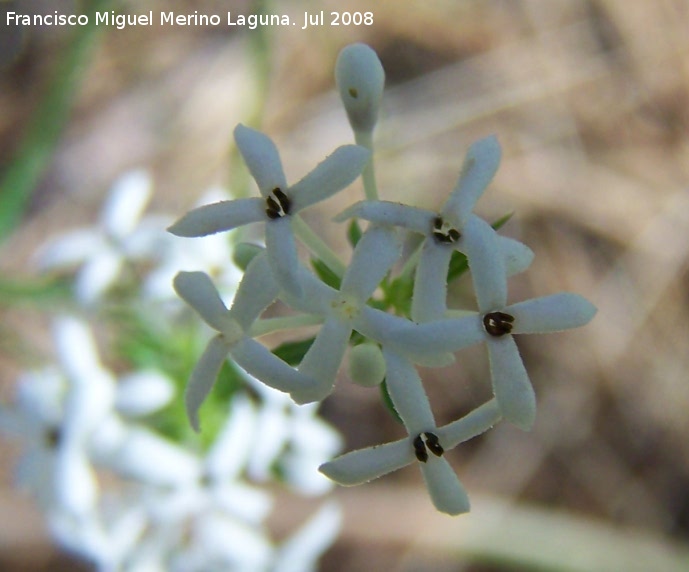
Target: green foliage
293, 352
325, 274
387, 401
354, 232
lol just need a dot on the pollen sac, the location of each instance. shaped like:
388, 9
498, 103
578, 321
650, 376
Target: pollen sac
498, 323
443, 232
278, 204
420, 449
433, 444
425, 442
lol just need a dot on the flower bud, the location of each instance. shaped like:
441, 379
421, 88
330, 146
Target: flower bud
360, 79
244, 253
366, 365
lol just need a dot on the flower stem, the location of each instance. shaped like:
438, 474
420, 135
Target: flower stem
316, 245
270, 325
365, 139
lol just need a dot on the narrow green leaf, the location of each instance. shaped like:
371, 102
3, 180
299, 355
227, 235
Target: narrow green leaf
387, 401
325, 274
293, 352
354, 232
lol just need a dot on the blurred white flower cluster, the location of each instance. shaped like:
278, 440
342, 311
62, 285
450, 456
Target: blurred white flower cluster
122, 482
393, 321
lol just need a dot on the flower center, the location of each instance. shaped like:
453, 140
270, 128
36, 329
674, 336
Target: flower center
345, 307
498, 323
425, 442
278, 204
232, 332
443, 232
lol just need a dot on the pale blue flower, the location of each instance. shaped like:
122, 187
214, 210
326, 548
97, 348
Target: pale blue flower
100, 252
257, 290
426, 442
278, 203
496, 324
346, 310
491, 257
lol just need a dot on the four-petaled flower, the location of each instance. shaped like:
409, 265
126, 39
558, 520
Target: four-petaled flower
491, 257
495, 324
426, 443
279, 203
256, 291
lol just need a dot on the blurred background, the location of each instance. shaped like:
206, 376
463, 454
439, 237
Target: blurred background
589, 101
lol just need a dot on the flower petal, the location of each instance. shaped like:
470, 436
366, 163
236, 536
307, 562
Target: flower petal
324, 357
551, 313
439, 336
255, 293
281, 248
375, 253
516, 256
143, 392
316, 296
363, 465
203, 378
262, 158
147, 457
70, 249
429, 300
407, 394
126, 202
97, 275
301, 551
511, 384
197, 290
265, 366
474, 423
479, 243
232, 447
387, 212
219, 217
447, 493
480, 165
333, 174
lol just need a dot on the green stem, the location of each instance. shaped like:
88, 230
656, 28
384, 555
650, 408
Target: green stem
270, 325
316, 245
365, 139
43, 133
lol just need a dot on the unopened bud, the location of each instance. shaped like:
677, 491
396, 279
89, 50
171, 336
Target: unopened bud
360, 79
366, 365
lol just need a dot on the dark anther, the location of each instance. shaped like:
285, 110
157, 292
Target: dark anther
444, 233
353, 92
278, 206
433, 444
420, 449
498, 323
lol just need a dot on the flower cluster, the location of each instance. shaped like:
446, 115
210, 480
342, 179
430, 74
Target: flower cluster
390, 334
121, 479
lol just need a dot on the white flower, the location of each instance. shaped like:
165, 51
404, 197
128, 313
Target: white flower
208, 518
496, 324
278, 203
491, 257
209, 254
291, 439
426, 442
301, 551
256, 291
101, 251
375, 253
